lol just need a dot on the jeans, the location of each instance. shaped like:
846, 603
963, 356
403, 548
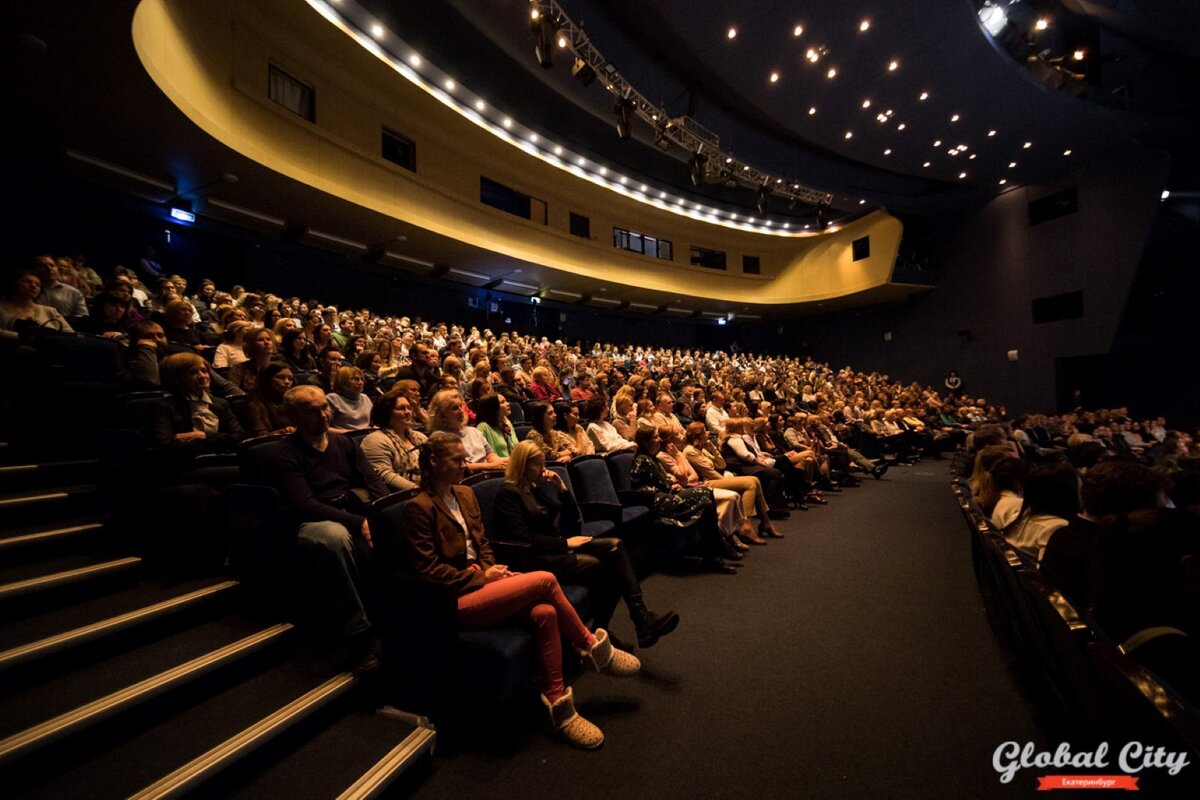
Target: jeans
537, 597
328, 550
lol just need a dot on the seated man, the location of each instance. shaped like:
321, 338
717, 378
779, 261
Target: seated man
326, 485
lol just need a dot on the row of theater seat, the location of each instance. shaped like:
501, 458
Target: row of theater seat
1090, 690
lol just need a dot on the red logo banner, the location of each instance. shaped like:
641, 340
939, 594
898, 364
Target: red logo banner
1048, 783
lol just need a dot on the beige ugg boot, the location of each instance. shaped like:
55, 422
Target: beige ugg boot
568, 725
605, 658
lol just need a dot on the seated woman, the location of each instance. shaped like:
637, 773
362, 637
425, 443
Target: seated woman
20, 305
233, 339
676, 506
530, 508
265, 413
412, 390
543, 418
569, 435
296, 353
393, 449
370, 363
446, 413
109, 317
447, 546
543, 387
625, 420
193, 422
799, 467
730, 514
745, 458
999, 492
349, 403
710, 466
259, 349
601, 431
492, 413
1051, 502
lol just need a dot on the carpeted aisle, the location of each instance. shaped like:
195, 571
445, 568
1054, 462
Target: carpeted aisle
851, 659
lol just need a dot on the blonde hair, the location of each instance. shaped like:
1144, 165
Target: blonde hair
341, 382
174, 369
518, 460
441, 402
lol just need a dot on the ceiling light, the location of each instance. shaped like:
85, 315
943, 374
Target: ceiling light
1003, 181
972, 156
993, 19
811, 55
937, 143
774, 77
926, 164
952, 151
832, 73
881, 118
731, 33
867, 104
1041, 24
962, 175
534, 13
888, 113
1078, 55
558, 150
887, 152
450, 85
643, 187
924, 96
415, 60
901, 126
377, 31
798, 30
893, 65
812, 110
533, 137
862, 202
604, 170
1166, 195
1066, 152
864, 25
745, 168
1012, 164
480, 105
580, 161
849, 134
662, 195
507, 122
624, 180
1027, 145
954, 117
991, 133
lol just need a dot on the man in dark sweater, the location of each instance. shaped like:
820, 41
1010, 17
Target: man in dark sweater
327, 485
424, 368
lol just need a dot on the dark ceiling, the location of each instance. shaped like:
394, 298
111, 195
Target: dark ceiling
679, 53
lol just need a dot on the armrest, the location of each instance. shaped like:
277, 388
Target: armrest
598, 511
513, 553
637, 497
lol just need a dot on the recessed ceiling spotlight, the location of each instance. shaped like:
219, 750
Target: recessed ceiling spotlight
1041, 24
867, 104
533, 137
604, 170
662, 194
562, 41
535, 12
1012, 164
889, 113
923, 96
811, 55
887, 152
864, 25
642, 188
415, 60
774, 77
937, 142
881, 117
991, 133
745, 168
952, 151
849, 134
862, 202
798, 30
832, 73
624, 180
1078, 55
812, 110
558, 150
962, 175
480, 105
972, 156
926, 165
1003, 181
450, 85
893, 65
506, 122
901, 126
1027, 145
1066, 152
954, 117
377, 30
728, 159
731, 33
779, 180
580, 161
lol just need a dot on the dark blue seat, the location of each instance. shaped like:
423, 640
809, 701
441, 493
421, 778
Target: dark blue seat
522, 431
516, 413
598, 527
597, 496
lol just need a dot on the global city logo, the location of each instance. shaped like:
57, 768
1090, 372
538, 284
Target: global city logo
1133, 758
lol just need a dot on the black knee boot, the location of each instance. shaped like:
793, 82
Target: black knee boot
650, 626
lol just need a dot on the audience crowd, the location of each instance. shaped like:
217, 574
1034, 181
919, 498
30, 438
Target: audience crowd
721, 443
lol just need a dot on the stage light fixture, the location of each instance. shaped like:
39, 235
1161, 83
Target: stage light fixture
544, 32
583, 72
623, 110
697, 164
760, 200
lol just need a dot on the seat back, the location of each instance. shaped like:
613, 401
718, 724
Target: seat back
592, 482
522, 431
516, 413
561, 471
620, 467
386, 519
485, 494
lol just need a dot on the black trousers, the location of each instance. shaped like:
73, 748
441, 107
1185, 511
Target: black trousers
603, 566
